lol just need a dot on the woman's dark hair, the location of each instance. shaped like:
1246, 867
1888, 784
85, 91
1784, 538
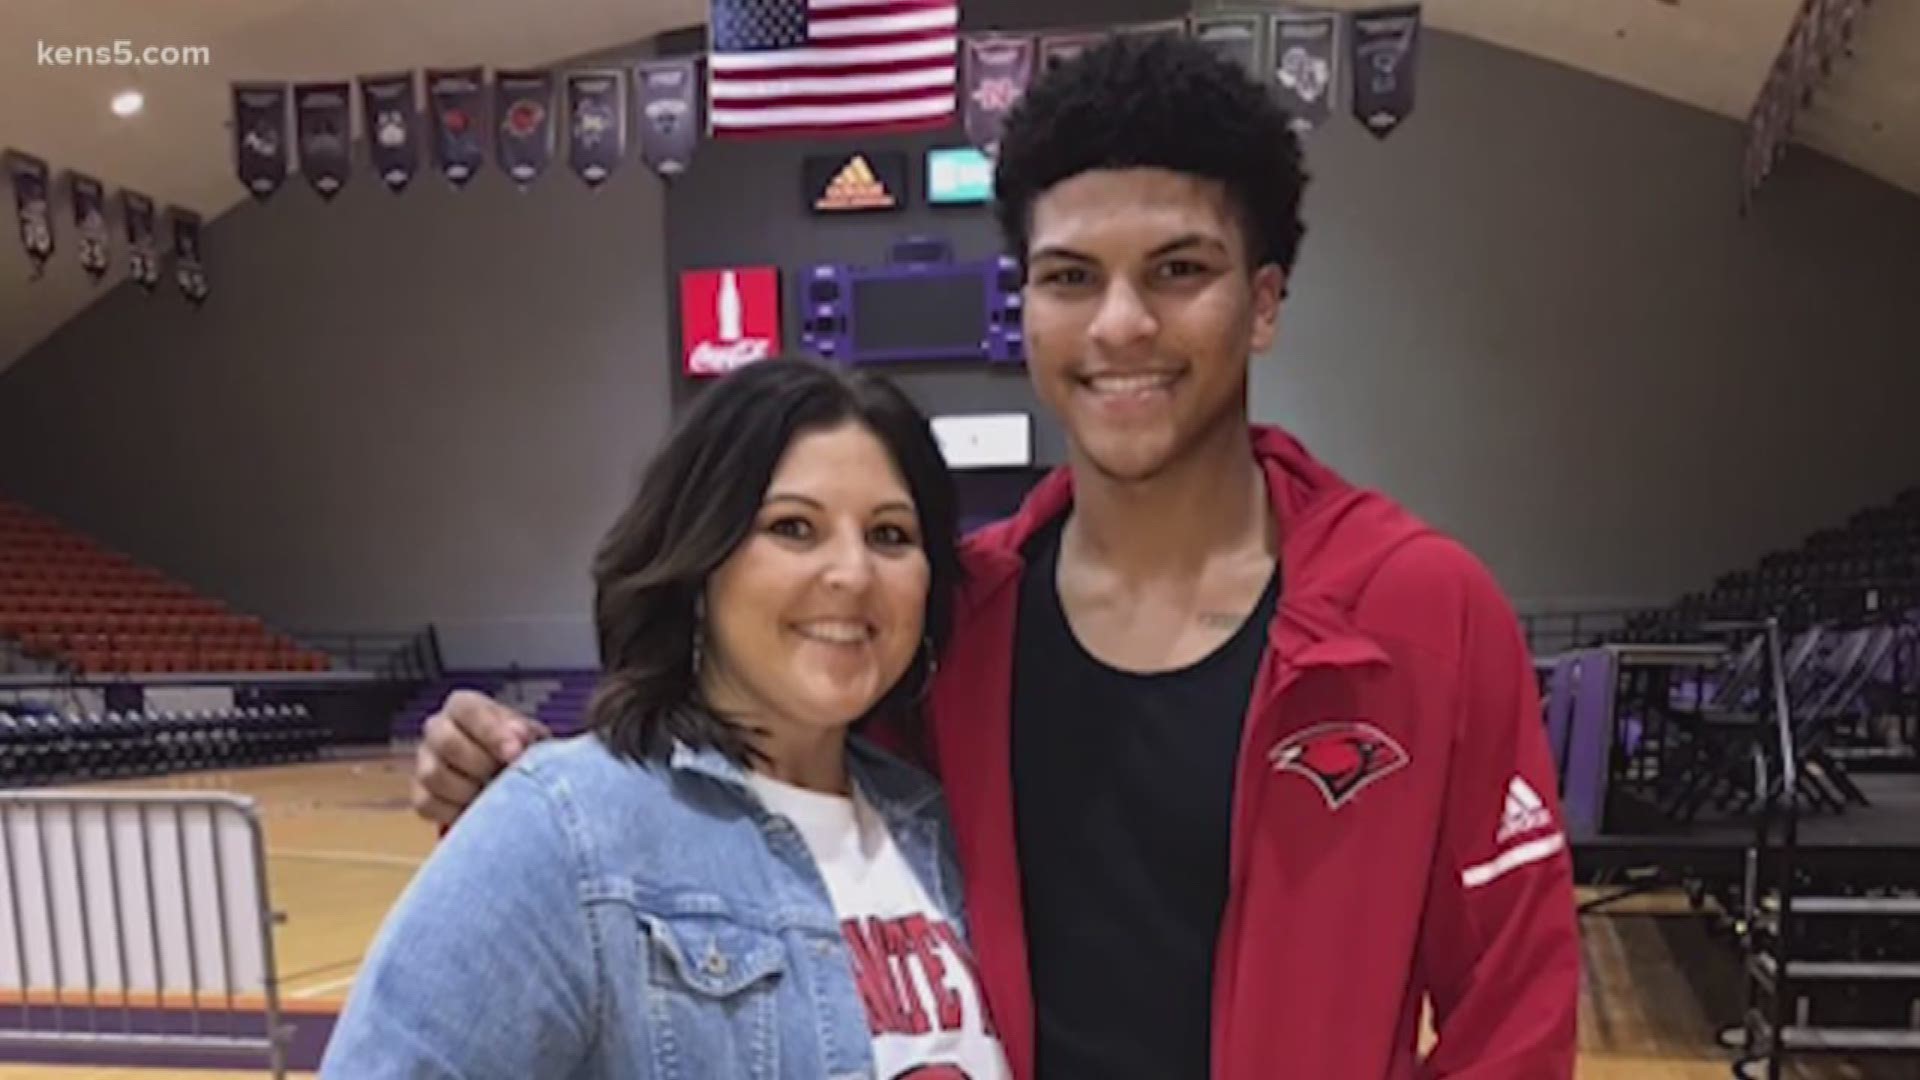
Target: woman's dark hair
697, 502
1155, 101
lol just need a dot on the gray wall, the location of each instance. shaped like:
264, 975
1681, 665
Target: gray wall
394, 409
1535, 315
1531, 314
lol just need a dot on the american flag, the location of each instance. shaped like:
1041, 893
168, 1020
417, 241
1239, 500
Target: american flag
790, 66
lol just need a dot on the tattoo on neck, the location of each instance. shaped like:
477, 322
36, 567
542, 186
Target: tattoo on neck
1220, 620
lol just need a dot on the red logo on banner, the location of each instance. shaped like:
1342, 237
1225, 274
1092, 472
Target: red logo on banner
729, 318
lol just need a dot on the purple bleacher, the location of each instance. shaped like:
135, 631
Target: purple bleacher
1560, 711
565, 710
1590, 744
412, 717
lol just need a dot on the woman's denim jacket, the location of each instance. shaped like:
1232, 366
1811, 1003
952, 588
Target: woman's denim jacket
593, 917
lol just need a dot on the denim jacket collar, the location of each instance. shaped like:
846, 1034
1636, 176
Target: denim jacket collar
897, 790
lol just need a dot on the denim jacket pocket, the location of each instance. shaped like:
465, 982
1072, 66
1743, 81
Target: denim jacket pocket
713, 996
712, 955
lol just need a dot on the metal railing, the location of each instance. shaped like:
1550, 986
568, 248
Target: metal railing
1551, 632
1853, 601
1770, 866
137, 921
15, 661
405, 655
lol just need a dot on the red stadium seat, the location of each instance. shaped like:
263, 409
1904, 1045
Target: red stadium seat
63, 596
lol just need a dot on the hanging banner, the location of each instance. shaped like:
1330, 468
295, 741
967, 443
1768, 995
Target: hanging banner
669, 114
1836, 27
1306, 65
1766, 136
1386, 46
1781, 117
1804, 51
323, 122
89, 199
1058, 49
189, 255
596, 123
143, 260
1758, 160
523, 100
1234, 37
996, 72
260, 136
1163, 28
1821, 29
393, 123
32, 200
457, 101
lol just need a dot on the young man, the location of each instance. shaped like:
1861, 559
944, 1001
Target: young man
1246, 764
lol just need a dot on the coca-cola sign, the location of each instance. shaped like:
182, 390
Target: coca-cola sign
729, 318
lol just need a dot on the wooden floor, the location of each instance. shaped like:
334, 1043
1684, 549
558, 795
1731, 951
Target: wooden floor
341, 845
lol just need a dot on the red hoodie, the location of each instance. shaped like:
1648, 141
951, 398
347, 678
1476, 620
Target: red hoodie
1396, 833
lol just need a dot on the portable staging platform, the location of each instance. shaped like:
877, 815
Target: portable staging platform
1721, 769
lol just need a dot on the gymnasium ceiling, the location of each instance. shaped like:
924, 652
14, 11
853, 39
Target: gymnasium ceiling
1713, 54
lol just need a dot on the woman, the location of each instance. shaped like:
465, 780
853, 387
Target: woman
791, 907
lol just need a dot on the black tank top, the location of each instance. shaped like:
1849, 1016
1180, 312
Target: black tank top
1123, 793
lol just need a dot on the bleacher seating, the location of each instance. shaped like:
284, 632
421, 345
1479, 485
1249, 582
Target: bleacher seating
1867, 569
1848, 602
411, 720
565, 710
557, 699
66, 599
53, 747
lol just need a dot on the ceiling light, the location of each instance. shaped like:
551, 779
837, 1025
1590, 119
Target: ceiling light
127, 102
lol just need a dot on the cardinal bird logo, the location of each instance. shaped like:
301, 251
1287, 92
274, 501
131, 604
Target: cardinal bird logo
1340, 758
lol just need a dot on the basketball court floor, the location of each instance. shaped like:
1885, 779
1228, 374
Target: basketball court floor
341, 844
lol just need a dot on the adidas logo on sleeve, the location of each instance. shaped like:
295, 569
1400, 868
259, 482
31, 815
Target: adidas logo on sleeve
1524, 813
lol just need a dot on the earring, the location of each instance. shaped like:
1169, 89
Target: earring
933, 668
699, 632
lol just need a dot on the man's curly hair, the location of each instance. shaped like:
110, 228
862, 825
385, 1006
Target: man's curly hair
1155, 101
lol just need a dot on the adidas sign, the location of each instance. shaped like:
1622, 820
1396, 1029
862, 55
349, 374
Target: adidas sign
1524, 812
856, 187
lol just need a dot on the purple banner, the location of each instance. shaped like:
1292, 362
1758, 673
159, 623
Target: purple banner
669, 114
458, 105
523, 102
323, 120
1163, 28
1057, 49
1386, 50
1803, 47
260, 136
89, 198
1837, 25
1306, 66
596, 123
143, 261
1233, 37
189, 254
393, 127
33, 203
997, 71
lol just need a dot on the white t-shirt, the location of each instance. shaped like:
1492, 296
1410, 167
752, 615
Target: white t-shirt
915, 975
